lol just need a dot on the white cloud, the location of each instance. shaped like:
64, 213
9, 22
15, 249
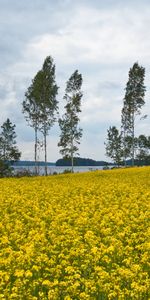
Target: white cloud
96, 36
103, 44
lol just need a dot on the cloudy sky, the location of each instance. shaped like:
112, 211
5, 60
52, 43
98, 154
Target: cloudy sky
102, 39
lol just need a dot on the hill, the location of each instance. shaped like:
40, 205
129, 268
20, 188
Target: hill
79, 161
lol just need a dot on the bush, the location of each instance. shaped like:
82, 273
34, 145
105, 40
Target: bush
67, 171
55, 173
23, 173
5, 169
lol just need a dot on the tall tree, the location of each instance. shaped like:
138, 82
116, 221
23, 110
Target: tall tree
32, 112
48, 105
132, 104
114, 145
8, 149
40, 105
70, 132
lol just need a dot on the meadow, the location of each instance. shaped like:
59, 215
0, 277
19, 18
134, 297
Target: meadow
76, 236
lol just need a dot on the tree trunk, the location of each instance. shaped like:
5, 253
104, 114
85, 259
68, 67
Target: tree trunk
133, 140
124, 148
72, 163
71, 155
45, 150
35, 153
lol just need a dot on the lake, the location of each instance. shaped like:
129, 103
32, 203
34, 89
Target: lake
59, 170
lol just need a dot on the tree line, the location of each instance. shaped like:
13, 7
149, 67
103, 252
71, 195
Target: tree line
40, 108
122, 144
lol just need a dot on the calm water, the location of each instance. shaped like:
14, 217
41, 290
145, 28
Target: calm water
58, 170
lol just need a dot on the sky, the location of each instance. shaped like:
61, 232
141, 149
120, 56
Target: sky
100, 39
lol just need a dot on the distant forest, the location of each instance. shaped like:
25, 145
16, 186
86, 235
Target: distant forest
78, 161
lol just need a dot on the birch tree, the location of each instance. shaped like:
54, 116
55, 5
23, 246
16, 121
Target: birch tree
48, 105
132, 104
31, 111
40, 105
70, 132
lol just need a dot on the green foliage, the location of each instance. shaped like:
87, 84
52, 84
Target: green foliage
30, 105
8, 148
114, 145
9, 152
66, 171
143, 149
47, 91
135, 92
5, 169
70, 132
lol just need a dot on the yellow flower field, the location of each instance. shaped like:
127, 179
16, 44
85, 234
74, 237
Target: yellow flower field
76, 236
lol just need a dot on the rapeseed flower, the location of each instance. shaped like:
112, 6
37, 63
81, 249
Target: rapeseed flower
76, 236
